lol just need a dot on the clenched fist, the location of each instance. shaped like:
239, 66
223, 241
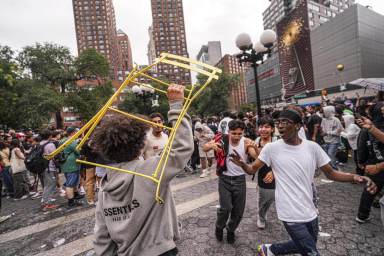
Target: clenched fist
175, 92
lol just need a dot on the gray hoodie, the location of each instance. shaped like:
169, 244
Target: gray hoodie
331, 126
351, 131
128, 219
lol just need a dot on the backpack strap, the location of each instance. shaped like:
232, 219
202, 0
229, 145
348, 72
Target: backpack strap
225, 144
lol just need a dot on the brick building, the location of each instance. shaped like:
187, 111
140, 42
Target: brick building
95, 26
168, 35
231, 65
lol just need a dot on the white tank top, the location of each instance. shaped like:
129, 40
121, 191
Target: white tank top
233, 169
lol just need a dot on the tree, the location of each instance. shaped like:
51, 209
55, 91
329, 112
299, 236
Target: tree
29, 103
247, 107
49, 63
137, 105
214, 99
8, 67
86, 101
92, 65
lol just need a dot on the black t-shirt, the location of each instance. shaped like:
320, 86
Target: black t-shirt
263, 172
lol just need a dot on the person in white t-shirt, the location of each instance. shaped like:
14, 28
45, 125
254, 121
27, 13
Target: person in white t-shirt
156, 138
294, 162
232, 182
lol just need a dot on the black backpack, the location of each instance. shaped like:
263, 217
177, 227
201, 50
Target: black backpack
35, 161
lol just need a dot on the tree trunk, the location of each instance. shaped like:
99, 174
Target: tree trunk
59, 120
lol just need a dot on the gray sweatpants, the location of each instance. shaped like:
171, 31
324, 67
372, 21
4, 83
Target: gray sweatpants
49, 185
266, 198
232, 195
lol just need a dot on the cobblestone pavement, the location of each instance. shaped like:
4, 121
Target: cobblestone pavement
30, 231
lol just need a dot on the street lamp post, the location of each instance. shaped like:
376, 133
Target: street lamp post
146, 92
255, 55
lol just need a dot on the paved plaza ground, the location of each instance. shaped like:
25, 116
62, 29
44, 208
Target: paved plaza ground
62, 232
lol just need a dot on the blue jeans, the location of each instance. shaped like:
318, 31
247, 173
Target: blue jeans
304, 238
8, 180
330, 149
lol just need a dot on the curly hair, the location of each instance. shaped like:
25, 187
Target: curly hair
120, 139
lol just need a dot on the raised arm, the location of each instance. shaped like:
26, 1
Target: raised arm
367, 124
182, 146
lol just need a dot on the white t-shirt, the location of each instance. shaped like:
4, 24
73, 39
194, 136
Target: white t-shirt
223, 125
302, 133
154, 145
294, 169
233, 169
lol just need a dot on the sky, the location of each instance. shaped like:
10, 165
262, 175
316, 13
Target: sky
24, 22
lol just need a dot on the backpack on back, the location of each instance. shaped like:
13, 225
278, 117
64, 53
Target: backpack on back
35, 161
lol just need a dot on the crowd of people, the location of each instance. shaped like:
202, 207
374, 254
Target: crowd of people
284, 150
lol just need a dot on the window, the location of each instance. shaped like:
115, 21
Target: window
323, 19
334, 8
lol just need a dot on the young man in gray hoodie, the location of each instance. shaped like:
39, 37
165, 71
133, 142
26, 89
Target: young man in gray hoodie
129, 221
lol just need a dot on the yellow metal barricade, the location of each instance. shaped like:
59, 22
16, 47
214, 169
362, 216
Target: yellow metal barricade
165, 58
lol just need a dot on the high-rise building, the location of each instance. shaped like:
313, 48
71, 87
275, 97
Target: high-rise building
319, 12
151, 50
357, 43
168, 34
230, 64
95, 26
210, 53
124, 50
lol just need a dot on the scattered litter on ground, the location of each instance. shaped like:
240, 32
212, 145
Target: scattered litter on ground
322, 234
59, 242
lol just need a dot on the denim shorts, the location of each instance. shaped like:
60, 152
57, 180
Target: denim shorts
71, 179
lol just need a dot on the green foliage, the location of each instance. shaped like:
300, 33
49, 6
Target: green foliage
138, 105
91, 64
8, 68
214, 99
48, 62
28, 104
86, 101
247, 107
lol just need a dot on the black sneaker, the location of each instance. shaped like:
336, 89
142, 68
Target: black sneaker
78, 196
231, 237
74, 203
219, 234
362, 221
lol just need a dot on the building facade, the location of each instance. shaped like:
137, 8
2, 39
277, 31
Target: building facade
124, 50
319, 12
238, 95
354, 39
210, 53
95, 26
168, 35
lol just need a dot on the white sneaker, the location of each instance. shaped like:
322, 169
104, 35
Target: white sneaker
260, 224
4, 218
82, 190
21, 198
204, 173
37, 195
